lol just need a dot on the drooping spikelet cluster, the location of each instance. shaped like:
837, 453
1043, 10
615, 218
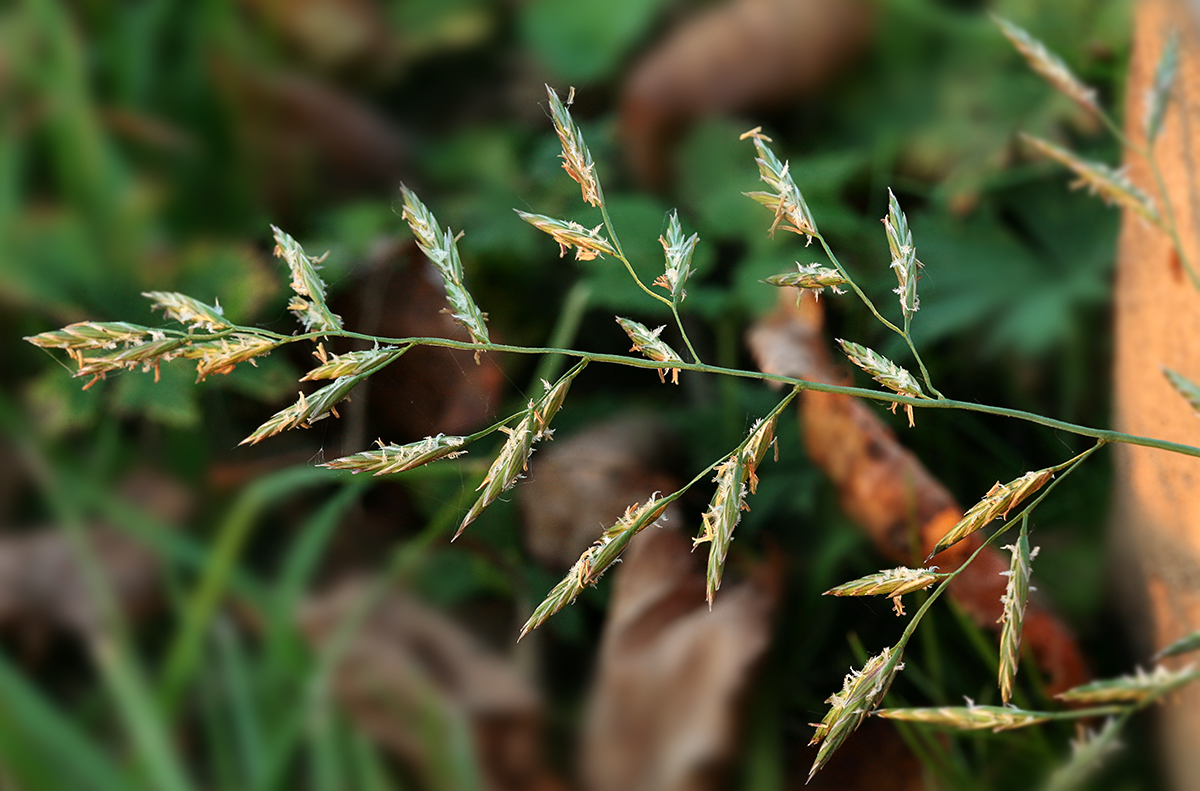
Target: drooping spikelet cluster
597, 558
862, 690
736, 476
1012, 617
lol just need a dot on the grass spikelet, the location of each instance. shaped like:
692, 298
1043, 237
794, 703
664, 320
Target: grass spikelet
1087, 755
1183, 645
999, 501
309, 303
648, 343
222, 355
187, 310
678, 252
1012, 618
1159, 96
1140, 687
1185, 387
719, 520
784, 199
534, 425
390, 459
552, 400
729, 500
884, 371
892, 583
1049, 65
352, 363
577, 160
441, 248
596, 559
147, 356
969, 718
760, 439
904, 257
92, 335
508, 466
1111, 185
862, 690
813, 277
588, 243
307, 410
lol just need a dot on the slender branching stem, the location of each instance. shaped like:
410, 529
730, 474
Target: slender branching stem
1068, 467
686, 340
803, 384
1167, 224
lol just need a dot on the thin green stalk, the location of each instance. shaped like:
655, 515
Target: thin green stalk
184, 653
566, 328
921, 363
903, 333
804, 384
686, 340
612, 237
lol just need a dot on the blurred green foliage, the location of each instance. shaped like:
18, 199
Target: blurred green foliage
128, 163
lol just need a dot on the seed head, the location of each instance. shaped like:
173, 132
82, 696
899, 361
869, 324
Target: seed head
648, 343
588, 244
577, 160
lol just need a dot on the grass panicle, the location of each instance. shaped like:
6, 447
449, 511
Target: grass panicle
1141, 687
186, 310
1111, 185
904, 257
862, 690
812, 277
648, 343
1050, 66
391, 459
441, 248
784, 200
969, 718
588, 242
1012, 618
577, 160
597, 559
678, 251
998, 502
884, 371
308, 304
